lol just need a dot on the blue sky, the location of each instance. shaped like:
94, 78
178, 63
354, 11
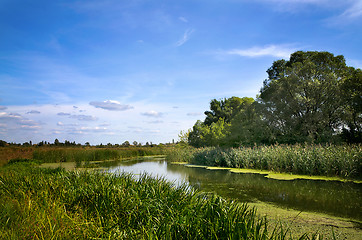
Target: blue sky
143, 70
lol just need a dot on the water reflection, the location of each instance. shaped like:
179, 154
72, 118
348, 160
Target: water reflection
332, 197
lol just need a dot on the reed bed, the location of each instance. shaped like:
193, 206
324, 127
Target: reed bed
9, 153
54, 204
74, 154
91, 154
331, 160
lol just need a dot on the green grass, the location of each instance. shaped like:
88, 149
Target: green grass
343, 161
84, 155
40, 203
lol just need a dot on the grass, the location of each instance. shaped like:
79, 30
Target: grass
40, 203
80, 155
344, 161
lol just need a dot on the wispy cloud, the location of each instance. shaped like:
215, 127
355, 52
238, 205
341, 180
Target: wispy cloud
111, 105
281, 51
185, 37
3, 107
182, 19
152, 114
354, 11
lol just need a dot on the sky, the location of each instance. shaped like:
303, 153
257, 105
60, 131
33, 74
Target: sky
109, 71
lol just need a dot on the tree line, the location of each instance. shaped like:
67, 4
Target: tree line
67, 143
313, 97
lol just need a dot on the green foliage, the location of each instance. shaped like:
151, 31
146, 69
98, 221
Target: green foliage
342, 161
352, 89
219, 126
303, 98
314, 97
54, 204
91, 154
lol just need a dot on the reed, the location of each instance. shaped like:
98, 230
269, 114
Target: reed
330, 160
55, 204
80, 155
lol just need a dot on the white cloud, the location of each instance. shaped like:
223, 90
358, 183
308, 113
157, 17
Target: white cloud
185, 37
111, 105
27, 127
155, 122
15, 120
33, 112
10, 116
280, 51
82, 117
63, 114
194, 114
152, 114
93, 129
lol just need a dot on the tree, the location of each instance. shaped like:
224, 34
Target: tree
352, 115
216, 129
3, 143
302, 98
183, 136
225, 109
248, 127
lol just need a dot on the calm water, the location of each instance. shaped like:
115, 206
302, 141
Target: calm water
331, 197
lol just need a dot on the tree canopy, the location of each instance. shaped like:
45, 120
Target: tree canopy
312, 97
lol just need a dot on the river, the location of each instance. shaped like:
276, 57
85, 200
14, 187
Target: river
335, 198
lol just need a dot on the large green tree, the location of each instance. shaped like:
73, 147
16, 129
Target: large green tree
222, 123
303, 98
352, 115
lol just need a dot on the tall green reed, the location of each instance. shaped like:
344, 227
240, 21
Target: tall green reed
55, 204
80, 155
331, 160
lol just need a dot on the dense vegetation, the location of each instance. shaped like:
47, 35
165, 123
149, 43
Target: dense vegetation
314, 97
74, 154
344, 161
54, 204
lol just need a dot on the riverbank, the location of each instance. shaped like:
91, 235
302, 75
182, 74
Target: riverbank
332, 161
54, 203
272, 175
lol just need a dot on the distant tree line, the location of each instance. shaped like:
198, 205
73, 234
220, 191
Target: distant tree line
67, 143
314, 97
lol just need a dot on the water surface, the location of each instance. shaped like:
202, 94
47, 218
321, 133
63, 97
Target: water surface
332, 197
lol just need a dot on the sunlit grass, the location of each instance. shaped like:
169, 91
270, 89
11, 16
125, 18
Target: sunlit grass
55, 204
80, 155
343, 161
